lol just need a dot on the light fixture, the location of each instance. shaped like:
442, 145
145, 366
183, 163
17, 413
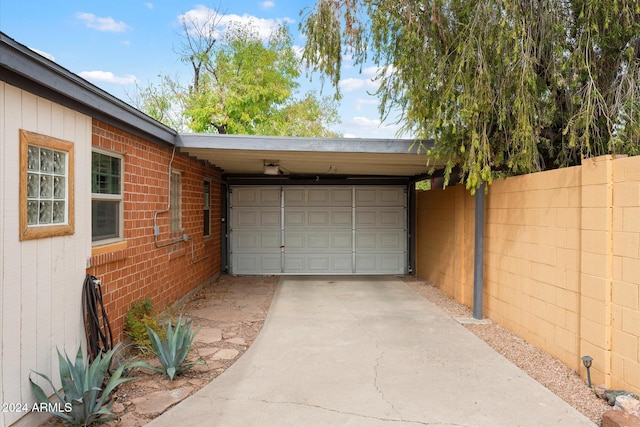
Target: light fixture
271, 168
586, 361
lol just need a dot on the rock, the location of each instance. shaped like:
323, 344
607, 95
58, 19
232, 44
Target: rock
628, 404
117, 407
154, 404
237, 341
615, 418
226, 354
206, 352
208, 335
611, 395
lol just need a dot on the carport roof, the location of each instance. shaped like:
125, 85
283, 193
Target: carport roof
341, 157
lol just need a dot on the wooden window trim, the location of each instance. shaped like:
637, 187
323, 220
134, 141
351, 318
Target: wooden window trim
27, 233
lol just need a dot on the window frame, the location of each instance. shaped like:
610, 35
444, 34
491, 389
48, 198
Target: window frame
28, 232
110, 198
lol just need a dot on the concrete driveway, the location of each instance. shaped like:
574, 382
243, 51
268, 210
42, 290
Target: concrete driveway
367, 351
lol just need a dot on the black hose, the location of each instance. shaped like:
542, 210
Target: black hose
99, 338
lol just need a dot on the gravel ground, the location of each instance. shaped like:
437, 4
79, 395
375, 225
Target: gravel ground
548, 371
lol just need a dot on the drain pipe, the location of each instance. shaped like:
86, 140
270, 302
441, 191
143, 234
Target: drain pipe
478, 253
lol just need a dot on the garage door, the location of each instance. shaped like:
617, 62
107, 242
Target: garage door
318, 230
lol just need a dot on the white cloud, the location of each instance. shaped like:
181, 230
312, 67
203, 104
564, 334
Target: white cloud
351, 84
362, 102
107, 77
43, 53
267, 4
102, 24
200, 15
364, 127
149, 5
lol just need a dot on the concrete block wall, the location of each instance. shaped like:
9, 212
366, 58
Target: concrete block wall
562, 261
136, 269
532, 259
444, 253
625, 284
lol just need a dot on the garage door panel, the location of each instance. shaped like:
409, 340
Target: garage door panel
252, 241
255, 196
256, 263
380, 263
318, 263
381, 218
377, 196
243, 218
293, 240
318, 196
317, 217
380, 241
317, 240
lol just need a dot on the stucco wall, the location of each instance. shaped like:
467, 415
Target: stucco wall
562, 260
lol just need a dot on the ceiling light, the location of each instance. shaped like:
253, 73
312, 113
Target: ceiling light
271, 169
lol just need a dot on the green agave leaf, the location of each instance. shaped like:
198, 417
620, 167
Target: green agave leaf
173, 350
82, 387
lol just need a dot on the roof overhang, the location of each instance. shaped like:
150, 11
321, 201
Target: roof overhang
269, 158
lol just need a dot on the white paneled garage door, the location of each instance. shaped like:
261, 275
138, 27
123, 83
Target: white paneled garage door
318, 230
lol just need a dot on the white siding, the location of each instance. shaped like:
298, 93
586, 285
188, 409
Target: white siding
40, 280
318, 230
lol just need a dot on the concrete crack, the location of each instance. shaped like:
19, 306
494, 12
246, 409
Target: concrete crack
355, 414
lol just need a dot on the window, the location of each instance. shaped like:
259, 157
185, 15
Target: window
46, 186
207, 208
176, 184
106, 197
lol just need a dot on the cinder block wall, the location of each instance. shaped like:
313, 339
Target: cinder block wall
136, 269
625, 286
532, 259
444, 252
562, 261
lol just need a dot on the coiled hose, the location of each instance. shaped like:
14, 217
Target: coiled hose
98, 330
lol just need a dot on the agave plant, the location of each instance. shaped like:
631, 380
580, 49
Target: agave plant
84, 400
172, 350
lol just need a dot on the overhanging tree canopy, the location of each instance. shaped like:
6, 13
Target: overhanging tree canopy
503, 86
240, 84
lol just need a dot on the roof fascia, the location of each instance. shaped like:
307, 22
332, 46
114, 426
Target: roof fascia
277, 143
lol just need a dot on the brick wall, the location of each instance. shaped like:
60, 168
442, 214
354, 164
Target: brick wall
137, 269
562, 261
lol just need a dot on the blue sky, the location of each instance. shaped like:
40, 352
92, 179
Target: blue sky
116, 43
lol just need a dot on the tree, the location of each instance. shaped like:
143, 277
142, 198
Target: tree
503, 87
240, 85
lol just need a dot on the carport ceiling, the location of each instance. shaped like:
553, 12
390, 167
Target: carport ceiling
246, 155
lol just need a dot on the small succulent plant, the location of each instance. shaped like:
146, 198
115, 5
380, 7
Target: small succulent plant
172, 351
86, 393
